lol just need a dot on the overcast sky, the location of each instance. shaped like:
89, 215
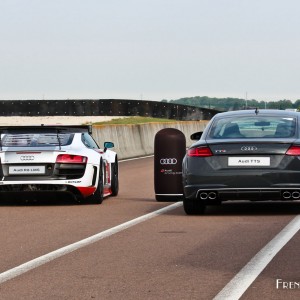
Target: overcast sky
149, 49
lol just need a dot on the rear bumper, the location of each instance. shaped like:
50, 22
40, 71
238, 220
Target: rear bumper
79, 188
243, 184
38, 190
218, 194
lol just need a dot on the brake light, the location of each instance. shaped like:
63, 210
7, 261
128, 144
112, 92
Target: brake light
199, 152
293, 150
71, 159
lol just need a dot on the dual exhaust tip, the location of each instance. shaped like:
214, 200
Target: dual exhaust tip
286, 195
208, 195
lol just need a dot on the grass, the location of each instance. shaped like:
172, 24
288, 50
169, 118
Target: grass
132, 120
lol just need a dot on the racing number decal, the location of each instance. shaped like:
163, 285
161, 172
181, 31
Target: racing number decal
107, 173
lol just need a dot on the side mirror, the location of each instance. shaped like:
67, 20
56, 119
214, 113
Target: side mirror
196, 136
108, 145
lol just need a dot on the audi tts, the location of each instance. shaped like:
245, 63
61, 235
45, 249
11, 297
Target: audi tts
56, 159
243, 155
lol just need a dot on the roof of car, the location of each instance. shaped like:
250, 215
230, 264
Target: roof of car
258, 112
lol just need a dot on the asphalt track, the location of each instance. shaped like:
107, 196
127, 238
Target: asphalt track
130, 249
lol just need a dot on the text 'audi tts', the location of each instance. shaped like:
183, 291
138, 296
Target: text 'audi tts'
243, 155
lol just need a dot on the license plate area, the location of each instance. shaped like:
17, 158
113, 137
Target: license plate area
26, 170
249, 161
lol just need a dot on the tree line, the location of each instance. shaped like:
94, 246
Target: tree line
226, 104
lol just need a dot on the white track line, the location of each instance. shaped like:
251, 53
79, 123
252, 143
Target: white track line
12, 273
240, 283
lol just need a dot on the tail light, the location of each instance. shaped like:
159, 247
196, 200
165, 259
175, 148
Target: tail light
293, 150
199, 152
71, 159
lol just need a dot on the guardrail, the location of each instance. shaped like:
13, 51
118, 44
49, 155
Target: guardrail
107, 107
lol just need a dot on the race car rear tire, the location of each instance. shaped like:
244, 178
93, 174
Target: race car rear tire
115, 178
97, 197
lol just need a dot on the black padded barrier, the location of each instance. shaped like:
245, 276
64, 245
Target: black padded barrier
104, 107
169, 150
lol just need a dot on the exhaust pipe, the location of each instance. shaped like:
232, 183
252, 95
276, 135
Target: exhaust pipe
296, 195
212, 196
286, 195
203, 196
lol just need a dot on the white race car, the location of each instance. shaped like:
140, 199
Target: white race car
57, 159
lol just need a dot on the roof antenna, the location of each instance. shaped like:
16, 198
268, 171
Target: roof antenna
256, 111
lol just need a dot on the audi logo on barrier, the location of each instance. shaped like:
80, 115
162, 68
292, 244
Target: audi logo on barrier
249, 148
168, 161
27, 157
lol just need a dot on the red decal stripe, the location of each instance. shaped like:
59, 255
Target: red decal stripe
86, 191
107, 190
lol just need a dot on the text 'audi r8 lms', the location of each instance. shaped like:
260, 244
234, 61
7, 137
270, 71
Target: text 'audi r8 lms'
243, 155
56, 159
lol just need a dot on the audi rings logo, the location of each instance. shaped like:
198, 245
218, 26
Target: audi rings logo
26, 157
249, 148
168, 161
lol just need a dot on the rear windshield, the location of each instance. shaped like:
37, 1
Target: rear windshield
253, 127
36, 140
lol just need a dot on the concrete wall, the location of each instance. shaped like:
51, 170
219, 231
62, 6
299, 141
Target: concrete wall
138, 140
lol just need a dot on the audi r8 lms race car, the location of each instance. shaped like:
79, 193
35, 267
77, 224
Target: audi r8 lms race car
56, 159
243, 155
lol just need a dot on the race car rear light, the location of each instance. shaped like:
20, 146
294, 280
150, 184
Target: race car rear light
71, 159
199, 152
293, 150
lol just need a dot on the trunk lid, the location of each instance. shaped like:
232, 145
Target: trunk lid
28, 157
252, 155
252, 147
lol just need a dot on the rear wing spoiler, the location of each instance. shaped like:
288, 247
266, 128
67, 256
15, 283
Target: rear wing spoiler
46, 129
56, 129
